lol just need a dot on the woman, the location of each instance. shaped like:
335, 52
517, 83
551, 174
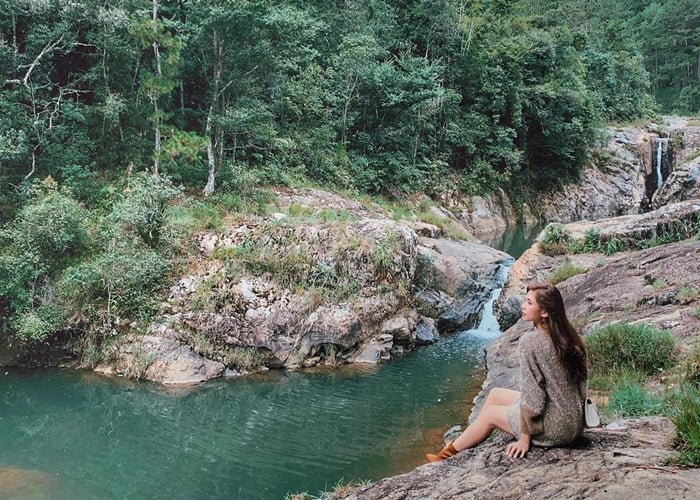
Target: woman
548, 409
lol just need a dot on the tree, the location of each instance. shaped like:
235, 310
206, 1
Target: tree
160, 79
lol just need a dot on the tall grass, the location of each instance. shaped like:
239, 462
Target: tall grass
635, 347
632, 400
623, 357
685, 414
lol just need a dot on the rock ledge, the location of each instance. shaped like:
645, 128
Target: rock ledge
603, 464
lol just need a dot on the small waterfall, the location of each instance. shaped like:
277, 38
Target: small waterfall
488, 326
660, 144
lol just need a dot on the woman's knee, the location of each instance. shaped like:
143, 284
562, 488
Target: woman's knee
496, 417
501, 397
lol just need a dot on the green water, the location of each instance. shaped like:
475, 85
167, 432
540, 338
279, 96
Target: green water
76, 435
259, 437
513, 240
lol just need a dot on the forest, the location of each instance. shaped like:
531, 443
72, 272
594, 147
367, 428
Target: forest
111, 109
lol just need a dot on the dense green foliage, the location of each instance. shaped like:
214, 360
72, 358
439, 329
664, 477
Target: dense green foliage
428, 95
124, 105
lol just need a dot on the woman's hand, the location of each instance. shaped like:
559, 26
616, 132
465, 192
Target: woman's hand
519, 448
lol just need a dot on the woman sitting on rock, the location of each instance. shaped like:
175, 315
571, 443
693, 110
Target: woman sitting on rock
548, 409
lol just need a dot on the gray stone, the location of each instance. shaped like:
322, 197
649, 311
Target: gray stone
605, 464
426, 331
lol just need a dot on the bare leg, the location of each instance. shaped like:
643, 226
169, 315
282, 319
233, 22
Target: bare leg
501, 397
493, 415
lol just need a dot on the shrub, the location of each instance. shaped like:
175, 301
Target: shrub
37, 324
48, 233
555, 240
635, 347
591, 242
51, 226
119, 282
565, 272
143, 208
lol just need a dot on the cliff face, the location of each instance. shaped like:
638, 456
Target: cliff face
622, 179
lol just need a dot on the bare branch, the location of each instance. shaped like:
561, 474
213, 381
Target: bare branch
49, 48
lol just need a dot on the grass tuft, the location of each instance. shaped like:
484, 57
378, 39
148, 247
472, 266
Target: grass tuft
565, 272
632, 400
684, 411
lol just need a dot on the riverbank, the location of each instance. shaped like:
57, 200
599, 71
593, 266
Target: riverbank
657, 287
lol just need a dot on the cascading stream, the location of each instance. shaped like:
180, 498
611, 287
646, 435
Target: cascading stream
660, 146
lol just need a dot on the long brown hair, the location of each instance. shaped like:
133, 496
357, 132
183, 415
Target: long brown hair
568, 344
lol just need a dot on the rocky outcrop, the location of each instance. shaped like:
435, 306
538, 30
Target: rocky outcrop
614, 185
603, 464
293, 290
161, 358
674, 221
621, 179
683, 181
656, 286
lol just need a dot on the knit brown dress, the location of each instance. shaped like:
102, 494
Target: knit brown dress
550, 407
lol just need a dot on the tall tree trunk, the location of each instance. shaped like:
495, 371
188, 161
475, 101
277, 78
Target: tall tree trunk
154, 93
213, 106
211, 178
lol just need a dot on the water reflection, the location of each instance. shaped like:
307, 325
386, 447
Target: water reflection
513, 240
259, 437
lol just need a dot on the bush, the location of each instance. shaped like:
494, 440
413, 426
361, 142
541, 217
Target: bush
37, 324
48, 233
119, 282
51, 226
555, 240
143, 208
635, 347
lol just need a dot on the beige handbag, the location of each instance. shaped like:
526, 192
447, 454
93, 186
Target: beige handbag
590, 413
